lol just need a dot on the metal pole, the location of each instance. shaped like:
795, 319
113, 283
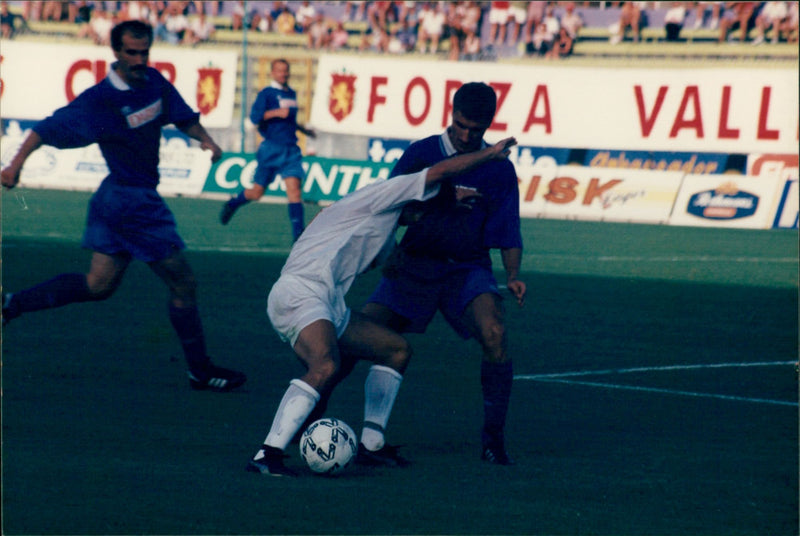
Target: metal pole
245, 68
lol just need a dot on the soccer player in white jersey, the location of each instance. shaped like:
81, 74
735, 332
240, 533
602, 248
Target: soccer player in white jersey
307, 308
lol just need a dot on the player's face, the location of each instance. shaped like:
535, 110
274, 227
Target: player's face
280, 72
466, 134
132, 59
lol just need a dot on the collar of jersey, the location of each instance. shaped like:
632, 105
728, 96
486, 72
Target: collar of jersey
116, 80
278, 86
447, 145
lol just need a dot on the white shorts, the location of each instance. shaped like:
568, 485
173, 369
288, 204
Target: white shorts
518, 13
498, 15
295, 302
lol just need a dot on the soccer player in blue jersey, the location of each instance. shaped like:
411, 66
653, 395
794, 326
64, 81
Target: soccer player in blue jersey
127, 219
275, 113
443, 260
307, 308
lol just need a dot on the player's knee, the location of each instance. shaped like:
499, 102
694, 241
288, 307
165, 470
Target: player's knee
99, 288
400, 356
494, 336
323, 373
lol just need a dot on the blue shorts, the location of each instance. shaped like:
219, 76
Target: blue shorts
417, 300
126, 220
274, 159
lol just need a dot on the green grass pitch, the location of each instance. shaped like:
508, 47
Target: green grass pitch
655, 393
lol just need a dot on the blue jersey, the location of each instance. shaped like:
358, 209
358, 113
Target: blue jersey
464, 232
276, 130
124, 121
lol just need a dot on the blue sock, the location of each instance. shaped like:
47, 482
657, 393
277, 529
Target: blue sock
238, 201
297, 219
61, 290
189, 328
496, 380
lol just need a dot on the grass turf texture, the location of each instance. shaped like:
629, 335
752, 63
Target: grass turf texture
101, 434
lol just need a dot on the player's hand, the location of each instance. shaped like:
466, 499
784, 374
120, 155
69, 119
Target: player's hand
503, 147
518, 289
10, 177
216, 152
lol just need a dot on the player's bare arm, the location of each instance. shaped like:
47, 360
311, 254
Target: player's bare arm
512, 260
464, 162
197, 132
10, 174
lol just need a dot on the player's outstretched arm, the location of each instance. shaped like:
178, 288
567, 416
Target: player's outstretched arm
10, 174
464, 162
197, 132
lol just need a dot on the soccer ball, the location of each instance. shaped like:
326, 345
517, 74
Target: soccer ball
328, 446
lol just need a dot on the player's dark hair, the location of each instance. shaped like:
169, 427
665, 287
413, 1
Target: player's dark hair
476, 101
136, 28
279, 60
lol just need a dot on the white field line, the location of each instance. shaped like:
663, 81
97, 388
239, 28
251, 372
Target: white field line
563, 377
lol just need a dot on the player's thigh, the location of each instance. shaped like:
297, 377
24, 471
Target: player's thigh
106, 272
381, 314
294, 192
365, 339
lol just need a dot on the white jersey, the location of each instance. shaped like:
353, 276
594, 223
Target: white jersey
345, 238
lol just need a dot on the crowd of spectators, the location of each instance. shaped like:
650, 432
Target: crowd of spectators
465, 30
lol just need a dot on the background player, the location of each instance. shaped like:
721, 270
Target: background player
127, 218
443, 261
307, 308
275, 113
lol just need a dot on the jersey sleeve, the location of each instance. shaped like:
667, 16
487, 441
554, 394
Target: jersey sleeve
178, 112
73, 125
502, 228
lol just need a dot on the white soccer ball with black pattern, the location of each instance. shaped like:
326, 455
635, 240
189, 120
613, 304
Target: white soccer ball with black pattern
328, 446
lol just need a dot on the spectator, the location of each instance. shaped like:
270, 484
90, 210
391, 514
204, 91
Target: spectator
285, 23
375, 39
173, 24
700, 14
471, 51
267, 23
305, 16
789, 28
200, 30
98, 29
54, 11
771, 17
454, 15
7, 20
498, 19
431, 26
406, 36
406, 11
533, 16
241, 18
674, 19
356, 11
339, 37
32, 10
80, 12
630, 16
541, 41
319, 33
562, 45
517, 15
571, 20
737, 16
380, 14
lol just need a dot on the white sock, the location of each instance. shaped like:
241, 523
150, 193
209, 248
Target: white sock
380, 391
296, 405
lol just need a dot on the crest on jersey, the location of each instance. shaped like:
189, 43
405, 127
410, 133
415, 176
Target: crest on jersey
209, 84
342, 94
